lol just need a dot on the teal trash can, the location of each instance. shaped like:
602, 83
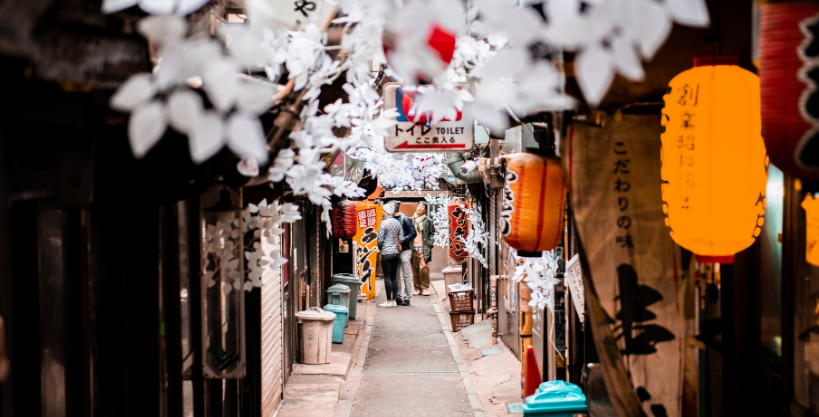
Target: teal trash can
354, 284
339, 295
555, 399
340, 322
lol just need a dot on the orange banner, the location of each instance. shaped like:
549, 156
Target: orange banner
365, 245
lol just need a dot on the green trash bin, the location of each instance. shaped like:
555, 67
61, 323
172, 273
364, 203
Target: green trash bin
339, 323
354, 284
555, 399
338, 295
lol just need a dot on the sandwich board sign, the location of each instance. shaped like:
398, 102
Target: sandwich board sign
413, 132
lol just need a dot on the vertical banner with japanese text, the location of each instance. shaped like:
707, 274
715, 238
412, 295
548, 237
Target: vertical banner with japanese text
458, 228
365, 245
635, 267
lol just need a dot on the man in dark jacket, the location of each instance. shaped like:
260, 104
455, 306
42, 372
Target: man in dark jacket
422, 249
405, 290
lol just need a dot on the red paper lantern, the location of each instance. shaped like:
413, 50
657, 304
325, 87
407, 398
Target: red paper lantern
458, 227
788, 75
343, 217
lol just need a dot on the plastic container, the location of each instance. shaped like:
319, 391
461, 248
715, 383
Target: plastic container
461, 319
316, 336
461, 300
340, 321
453, 274
339, 295
354, 284
555, 399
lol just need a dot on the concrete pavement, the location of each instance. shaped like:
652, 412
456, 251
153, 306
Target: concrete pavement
410, 369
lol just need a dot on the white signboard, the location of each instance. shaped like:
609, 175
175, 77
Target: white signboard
295, 14
574, 278
414, 134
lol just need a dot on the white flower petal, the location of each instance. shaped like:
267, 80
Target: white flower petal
625, 56
184, 110
595, 71
162, 28
135, 91
246, 138
146, 127
221, 84
157, 6
206, 137
255, 98
648, 24
187, 7
112, 6
689, 12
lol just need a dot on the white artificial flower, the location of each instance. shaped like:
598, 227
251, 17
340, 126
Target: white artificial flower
159, 7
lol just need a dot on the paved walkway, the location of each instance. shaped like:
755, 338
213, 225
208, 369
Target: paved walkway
410, 367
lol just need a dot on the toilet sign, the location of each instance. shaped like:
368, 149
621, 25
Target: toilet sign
413, 133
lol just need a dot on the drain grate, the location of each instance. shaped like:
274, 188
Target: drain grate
411, 373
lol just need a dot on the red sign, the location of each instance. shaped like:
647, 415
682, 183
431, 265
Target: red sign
458, 227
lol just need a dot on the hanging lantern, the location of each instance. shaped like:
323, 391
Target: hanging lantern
811, 206
788, 67
533, 203
714, 166
344, 221
458, 227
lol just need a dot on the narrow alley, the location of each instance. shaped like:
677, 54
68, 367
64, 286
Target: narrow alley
410, 365
373, 208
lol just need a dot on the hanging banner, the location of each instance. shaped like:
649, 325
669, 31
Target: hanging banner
458, 227
365, 245
635, 280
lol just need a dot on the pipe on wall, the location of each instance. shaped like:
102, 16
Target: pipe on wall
454, 161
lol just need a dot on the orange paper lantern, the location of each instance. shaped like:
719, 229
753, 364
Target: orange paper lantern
533, 201
714, 165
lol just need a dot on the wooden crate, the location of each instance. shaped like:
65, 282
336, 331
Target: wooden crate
461, 300
461, 319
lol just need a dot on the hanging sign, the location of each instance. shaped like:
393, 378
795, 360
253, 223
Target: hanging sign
414, 133
574, 278
634, 286
811, 206
365, 245
295, 14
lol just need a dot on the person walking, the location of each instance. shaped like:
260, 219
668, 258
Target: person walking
390, 235
422, 249
405, 286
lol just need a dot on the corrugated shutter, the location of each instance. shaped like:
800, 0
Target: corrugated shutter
272, 369
494, 237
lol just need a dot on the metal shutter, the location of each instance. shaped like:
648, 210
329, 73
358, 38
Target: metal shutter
494, 234
272, 365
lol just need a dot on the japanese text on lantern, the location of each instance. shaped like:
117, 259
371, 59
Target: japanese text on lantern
622, 187
366, 218
688, 99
